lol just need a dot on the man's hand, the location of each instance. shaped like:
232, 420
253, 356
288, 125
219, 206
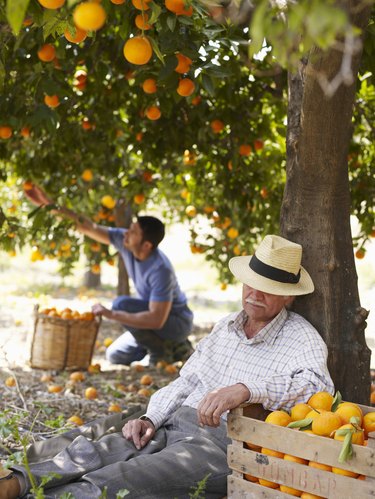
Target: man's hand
99, 309
140, 432
37, 196
215, 403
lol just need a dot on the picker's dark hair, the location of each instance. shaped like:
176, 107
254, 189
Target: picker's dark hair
153, 229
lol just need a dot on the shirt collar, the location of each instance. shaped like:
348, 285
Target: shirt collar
267, 334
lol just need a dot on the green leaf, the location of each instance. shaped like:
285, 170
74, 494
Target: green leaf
347, 448
156, 49
15, 11
2, 74
302, 423
336, 401
257, 30
208, 84
171, 22
155, 12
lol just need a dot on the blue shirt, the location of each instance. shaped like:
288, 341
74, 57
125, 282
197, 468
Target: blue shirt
154, 278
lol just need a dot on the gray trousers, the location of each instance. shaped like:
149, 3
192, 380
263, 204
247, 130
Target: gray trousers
170, 466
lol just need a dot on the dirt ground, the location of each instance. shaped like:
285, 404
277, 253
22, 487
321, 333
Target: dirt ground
39, 414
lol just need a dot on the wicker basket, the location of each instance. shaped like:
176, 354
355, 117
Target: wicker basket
61, 343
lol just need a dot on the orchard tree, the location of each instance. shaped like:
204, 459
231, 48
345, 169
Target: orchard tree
185, 106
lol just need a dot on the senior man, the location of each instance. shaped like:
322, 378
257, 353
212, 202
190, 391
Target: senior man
262, 354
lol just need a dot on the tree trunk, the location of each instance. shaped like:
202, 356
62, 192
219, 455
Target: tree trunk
91, 280
123, 218
316, 213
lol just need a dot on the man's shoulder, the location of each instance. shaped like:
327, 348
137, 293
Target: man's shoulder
297, 323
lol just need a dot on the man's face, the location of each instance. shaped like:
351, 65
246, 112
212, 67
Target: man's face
133, 238
262, 307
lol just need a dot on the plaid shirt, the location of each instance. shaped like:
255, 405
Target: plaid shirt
284, 364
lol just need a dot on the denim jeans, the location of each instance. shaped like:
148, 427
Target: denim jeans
135, 343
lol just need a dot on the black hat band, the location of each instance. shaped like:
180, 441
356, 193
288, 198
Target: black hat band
273, 273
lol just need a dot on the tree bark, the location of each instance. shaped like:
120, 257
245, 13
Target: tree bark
123, 218
316, 213
91, 280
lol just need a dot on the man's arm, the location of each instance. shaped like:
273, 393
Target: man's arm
84, 225
153, 318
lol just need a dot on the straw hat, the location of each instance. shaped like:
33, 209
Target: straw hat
274, 268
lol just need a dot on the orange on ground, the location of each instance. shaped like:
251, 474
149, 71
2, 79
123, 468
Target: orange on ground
77, 376
295, 459
46, 378
114, 408
51, 101
146, 379
145, 392
290, 490
326, 423
10, 381
46, 52
299, 411
321, 400
183, 64
149, 86
107, 341
5, 132
55, 388
340, 471
91, 393
141, 4
75, 420
138, 50
279, 418
141, 21
161, 364
185, 87
89, 16
217, 126
139, 198
78, 35
320, 466
245, 150
139, 368
346, 410
271, 452
153, 113
51, 4
94, 368
170, 369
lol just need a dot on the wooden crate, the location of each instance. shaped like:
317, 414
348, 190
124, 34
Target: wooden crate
246, 424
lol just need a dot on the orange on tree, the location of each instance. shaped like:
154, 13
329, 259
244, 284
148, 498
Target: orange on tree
87, 175
279, 418
326, 423
51, 101
153, 113
186, 87
76, 36
108, 202
139, 198
47, 52
51, 4
183, 64
89, 16
149, 86
86, 125
217, 126
95, 268
175, 6
258, 144
263, 193
360, 253
138, 50
141, 4
245, 150
139, 137
321, 400
118, 2
232, 233
141, 21
5, 132
191, 211
91, 393
25, 132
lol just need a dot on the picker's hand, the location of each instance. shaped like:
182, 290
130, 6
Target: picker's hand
36, 195
99, 309
138, 431
215, 403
